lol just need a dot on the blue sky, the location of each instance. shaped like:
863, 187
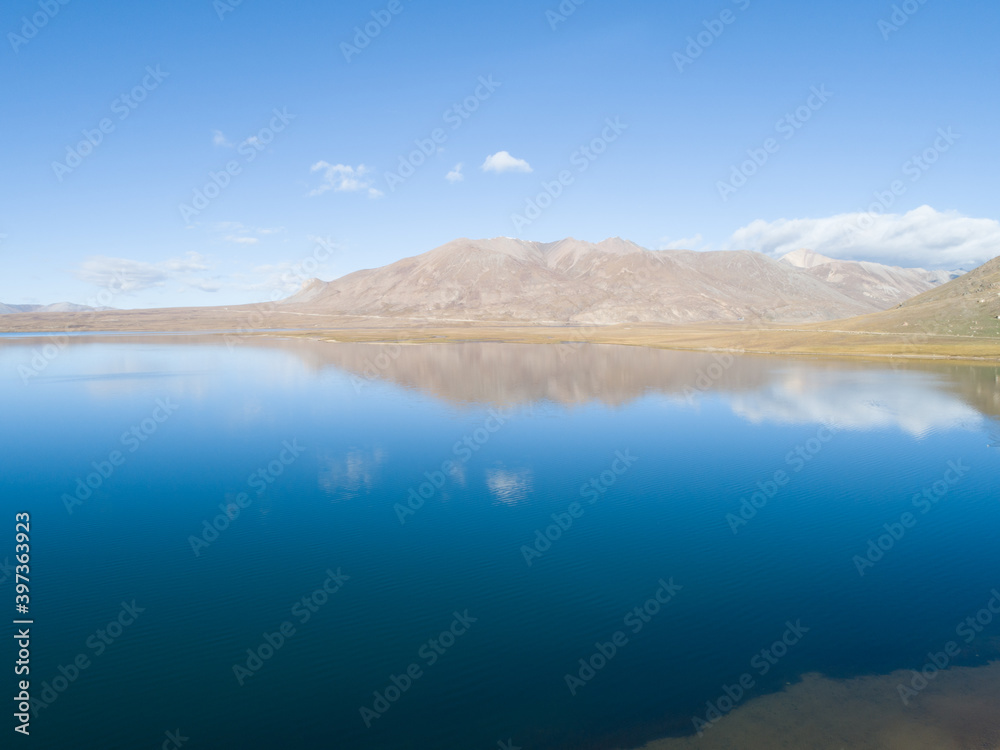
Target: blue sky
308, 193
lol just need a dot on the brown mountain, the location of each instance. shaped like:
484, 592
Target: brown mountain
59, 307
614, 281
868, 282
966, 306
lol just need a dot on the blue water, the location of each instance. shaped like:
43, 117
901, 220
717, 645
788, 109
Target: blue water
336, 438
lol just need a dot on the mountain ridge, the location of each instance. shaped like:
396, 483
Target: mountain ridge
610, 282
966, 306
57, 307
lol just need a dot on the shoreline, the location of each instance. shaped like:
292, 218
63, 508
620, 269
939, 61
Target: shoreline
813, 342
651, 345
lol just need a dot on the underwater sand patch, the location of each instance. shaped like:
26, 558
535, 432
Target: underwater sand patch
959, 710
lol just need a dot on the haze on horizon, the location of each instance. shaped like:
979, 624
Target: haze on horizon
716, 125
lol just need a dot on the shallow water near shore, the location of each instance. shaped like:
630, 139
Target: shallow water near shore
377, 546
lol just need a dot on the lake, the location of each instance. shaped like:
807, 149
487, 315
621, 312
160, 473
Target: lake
284, 543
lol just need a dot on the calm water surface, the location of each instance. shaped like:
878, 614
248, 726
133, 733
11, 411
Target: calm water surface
418, 483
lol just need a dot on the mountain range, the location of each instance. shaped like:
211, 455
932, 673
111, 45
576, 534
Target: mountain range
966, 306
60, 307
868, 282
612, 282
610, 292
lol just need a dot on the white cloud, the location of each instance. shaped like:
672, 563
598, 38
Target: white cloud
281, 279
502, 161
343, 178
125, 276
241, 234
328, 244
455, 175
203, 285
921, 237
286, 277
684, 243
220, 140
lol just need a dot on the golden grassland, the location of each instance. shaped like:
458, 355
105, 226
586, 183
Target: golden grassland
799, 341
891, 338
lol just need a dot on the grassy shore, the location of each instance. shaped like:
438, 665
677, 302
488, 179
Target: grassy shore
760, 341
833, 339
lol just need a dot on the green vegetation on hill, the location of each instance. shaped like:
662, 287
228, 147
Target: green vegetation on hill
966, 306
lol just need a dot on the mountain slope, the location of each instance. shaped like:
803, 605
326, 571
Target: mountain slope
804, 258
614, 281
966, 306
868, 282
61, 307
